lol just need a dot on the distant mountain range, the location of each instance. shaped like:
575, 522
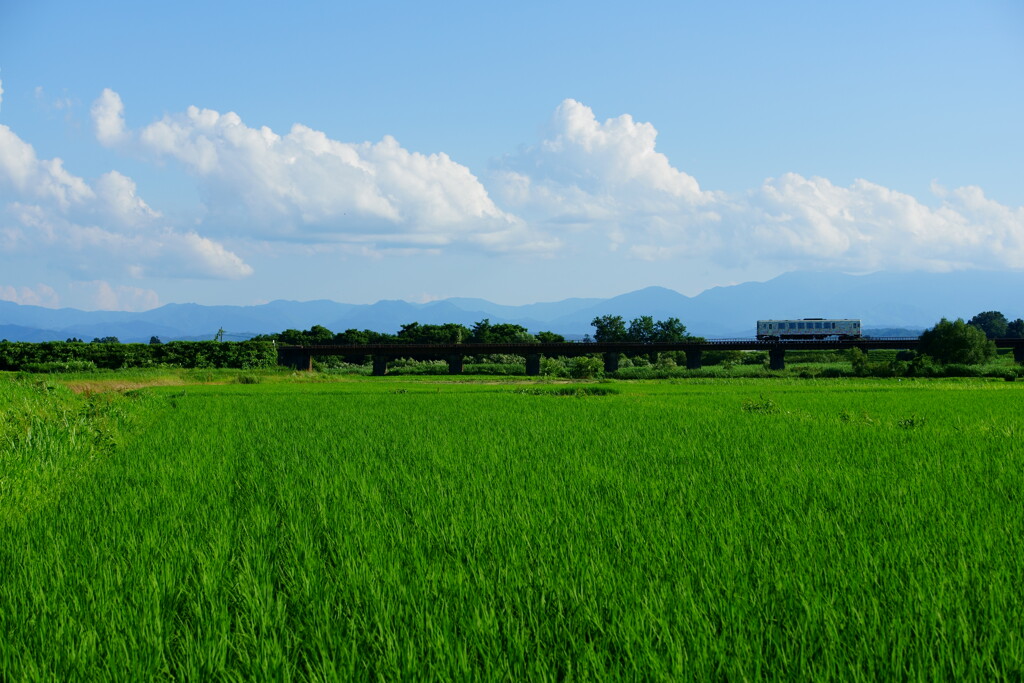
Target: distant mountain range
892, 302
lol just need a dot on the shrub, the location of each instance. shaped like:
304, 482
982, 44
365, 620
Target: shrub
665, 362
859, 362
961, 370
957, 343
720, 357
493, 368
60, 366
586, 367
922, 366
900, 368
553, 367
882, 355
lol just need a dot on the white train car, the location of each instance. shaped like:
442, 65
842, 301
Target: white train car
809, 328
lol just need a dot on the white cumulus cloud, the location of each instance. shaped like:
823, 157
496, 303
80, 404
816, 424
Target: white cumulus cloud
108, 118
28, 176
304, 186
588, 176
606, 158
118, 195
44, 209
587, 181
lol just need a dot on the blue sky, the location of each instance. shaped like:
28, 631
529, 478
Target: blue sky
227, 153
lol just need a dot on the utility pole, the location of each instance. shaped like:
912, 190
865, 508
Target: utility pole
220, 335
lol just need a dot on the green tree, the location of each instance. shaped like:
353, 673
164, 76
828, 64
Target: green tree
1015, 329
957, 342
481, 333
992, 323
609, 328
484, 332
354, 336
549, 338
671, 330
291, 336
155, 340
508, 333
449, 333
642, 329
318, 334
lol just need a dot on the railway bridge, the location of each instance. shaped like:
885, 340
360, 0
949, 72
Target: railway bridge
300, 357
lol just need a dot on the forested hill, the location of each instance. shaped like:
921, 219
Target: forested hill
893, 302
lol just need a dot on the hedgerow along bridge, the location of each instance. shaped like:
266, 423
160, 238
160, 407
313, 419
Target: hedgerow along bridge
300, 357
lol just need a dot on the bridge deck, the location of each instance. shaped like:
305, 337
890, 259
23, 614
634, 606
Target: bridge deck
580, 348
301, 356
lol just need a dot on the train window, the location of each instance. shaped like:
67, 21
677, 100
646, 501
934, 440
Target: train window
800, 326
817, 326
792, 326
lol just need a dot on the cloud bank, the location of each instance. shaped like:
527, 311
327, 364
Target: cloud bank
308, 188
586, 187
98, 227
39, 295
607, 181
586, 183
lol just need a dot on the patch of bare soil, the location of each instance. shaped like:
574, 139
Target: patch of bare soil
99, 386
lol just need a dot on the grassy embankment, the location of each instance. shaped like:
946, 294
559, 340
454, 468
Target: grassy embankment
409, 527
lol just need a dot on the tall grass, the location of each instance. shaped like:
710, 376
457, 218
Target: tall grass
701, 529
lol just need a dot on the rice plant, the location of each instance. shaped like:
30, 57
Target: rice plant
419, 528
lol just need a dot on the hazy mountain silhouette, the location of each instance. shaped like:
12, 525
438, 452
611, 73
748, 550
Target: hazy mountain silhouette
881, 300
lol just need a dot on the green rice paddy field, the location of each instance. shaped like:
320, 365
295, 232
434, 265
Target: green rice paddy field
421, 529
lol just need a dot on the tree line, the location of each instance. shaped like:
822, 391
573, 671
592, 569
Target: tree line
969, 343
948, 342
607, 328
75, 356
996, 326
482, 332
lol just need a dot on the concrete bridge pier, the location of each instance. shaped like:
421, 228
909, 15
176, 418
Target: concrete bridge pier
380, 366
693, 359
611, 361
296, 360
1018, 353
455, 364
533, 364
777, 359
